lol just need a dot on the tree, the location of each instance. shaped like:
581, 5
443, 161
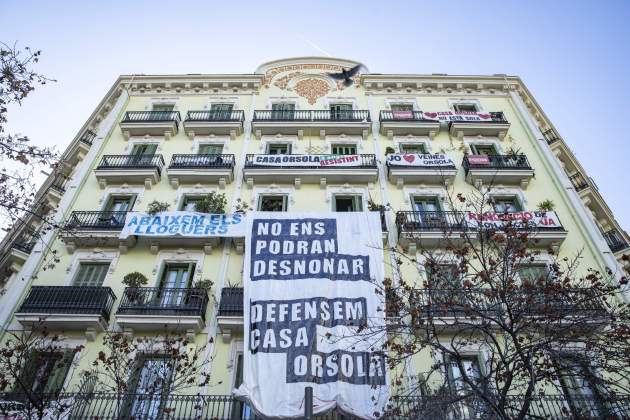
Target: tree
142, 373
34, 366
503, 334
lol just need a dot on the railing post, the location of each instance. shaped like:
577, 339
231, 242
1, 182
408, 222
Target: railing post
308, 403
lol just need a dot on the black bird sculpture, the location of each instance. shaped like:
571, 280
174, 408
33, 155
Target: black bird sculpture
346, 75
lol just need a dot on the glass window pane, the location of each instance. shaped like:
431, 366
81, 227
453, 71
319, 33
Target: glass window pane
210, 149
272, 203
401, 107
91, 274
413, 148
344, 149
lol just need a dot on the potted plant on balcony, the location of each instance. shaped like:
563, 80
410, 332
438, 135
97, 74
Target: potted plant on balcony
213, 203
389, 150
134, 281
545, 206
156, 207
242, 206
199, 292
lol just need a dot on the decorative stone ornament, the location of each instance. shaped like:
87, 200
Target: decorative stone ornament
312, 89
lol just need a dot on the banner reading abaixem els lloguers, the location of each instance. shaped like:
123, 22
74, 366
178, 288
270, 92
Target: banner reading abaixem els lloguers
310, 282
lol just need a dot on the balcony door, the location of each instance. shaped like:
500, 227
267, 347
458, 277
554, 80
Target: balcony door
162, 112
279, 149
273, 203
91, 274
210, 154
175, 280
221, 112
401, 107
44, 373
506, 205
483, 149
348, 203
115, 211
578, 384
408, 148
472, 367
343, 149
341, 112
427, 212
151, 382
142, 154
282, 111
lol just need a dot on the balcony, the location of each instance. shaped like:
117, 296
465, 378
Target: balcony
318, 169
578, 181
495, 170
129, 169
95, 228
436, 169
150, 123
402, 123
615, 240
155, 308
449, 307
494, 125
429, 229
88, 138
205, 169
230, 316
204, 123
67, 308
319, 122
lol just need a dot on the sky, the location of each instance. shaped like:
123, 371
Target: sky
573, 55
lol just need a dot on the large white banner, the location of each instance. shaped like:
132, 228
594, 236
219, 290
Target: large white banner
306, 160
183, 223
457, 116
310, 309
419, 160
517, 220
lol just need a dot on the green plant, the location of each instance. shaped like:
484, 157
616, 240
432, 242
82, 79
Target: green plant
135, 279
546, 205
372, 206
242, 206
155, 207
389, 151
214, 203
204, 285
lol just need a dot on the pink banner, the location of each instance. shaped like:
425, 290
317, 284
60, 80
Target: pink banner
402, 115
457, 116
480, 160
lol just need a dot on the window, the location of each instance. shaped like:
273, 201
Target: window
163, 107
483, 149
401, 107
420, 148
45, 372
341, 112
533, 273
221, 111
465, 107
282, 111
176, 278
141, 154
272, 203
151, 382
506, 204
578, 383
429, 213
279, 149
189, 203
426, 204
210, 149
442, 276
347, 203
471, 366
343, 149
91, 274
117, 208
163, 111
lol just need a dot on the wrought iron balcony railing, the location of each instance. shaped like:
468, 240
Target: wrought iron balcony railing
388, 116
615, 240
578, 181
112, 406
289, 162
59, 183
201, 161
498, 162
24, 245
96, 220
455, 302
164, 301
495, 117
151, 116
231, 301
130, 162
550, 136
210, 116
88, 137
355, 115
69, 300
430, 221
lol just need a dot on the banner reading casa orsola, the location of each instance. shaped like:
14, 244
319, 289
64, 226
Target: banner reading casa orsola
183, 223
306, 160
419, 159
310, 311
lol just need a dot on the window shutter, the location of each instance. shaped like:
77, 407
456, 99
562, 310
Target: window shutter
91, 274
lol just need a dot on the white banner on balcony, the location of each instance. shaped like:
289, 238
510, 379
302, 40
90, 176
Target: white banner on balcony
419, 160
306, 160
312, 315
184, 224
519, 219
457, 116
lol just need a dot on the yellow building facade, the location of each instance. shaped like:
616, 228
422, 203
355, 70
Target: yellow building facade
177, 138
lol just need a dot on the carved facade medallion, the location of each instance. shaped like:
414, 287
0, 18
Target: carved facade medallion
312, 89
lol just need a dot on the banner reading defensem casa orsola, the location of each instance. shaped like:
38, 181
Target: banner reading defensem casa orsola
183, 223
311, 313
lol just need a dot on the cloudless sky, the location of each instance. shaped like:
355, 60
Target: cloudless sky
573, 55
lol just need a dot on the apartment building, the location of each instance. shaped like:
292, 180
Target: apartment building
258, 138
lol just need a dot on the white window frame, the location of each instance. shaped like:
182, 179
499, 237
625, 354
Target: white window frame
292, 140
93, 256
197, 190
163, 101
332, 191
395, 101
282, 99
399, 141
484, 141
134, 141
175, 257
213, 101
464, 101
353, 140
114, 191
466, 350
440, 193
236, 347
507, 193
202, 141
341, 100
272, 190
